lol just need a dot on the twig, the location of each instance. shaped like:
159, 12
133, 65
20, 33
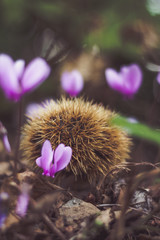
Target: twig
52, 227
132, 208
109, 205
125, 166
48, 222
119, 167
134, 164
56, 187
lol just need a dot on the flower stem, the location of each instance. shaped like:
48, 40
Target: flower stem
16, 155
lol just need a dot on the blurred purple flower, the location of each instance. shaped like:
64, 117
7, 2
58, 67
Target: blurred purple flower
127, 81
16, 80
72, 82
4, 207
32, 109
132, 120
61, 156
23, 200
3, 135
158, 77
6, 143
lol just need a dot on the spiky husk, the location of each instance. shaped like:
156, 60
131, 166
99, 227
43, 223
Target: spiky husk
97, 145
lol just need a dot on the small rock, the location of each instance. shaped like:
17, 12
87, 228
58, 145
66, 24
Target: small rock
75, 210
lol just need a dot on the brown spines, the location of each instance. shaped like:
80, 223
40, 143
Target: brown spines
97, 145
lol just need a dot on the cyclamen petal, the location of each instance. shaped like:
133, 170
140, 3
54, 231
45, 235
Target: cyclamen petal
59, 152
72, 82
58, 159
6, 143
61, 156
114, 79
35, 73
132, 79
46, 157
158, 77
65, 159
38, 161
19, 66
8, 78
127, 81
22, 204
32, 109
15, 79
23, 200
52, 171
4, 207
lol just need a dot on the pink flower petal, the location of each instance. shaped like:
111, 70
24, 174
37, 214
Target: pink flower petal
6, 143
114, 79
46, 157
19, 68
65, 80
57, 156
132, 79
72, 82
62, 157
59, 152
35, 73
23, 200
65, 159
22, 205
127, 81
52, 171
4, 208
32, 109
38, 161
8, 78
158, 77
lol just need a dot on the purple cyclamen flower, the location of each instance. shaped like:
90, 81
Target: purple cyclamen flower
16, 79
6, 143
72, 82
158, 77
61, 157
132, 120
4, 207
127, 81
32, 109
3, 135
23, 200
